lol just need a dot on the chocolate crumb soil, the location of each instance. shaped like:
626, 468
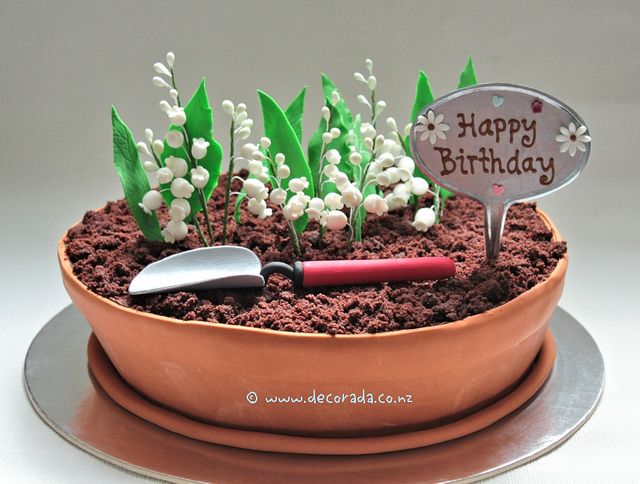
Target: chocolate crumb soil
107, 250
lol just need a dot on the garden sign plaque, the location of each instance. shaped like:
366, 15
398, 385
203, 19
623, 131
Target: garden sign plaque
500, 144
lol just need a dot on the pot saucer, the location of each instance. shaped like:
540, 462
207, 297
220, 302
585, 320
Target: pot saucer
59, 387
125, 396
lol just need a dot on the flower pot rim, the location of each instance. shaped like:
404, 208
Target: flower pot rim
484, 318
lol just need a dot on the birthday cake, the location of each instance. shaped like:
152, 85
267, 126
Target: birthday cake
457, 344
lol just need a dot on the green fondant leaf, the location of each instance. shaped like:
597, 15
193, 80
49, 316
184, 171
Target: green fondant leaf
132, 176
424, 96
284, 140
295, 113
468, 75
199, 125
236, 210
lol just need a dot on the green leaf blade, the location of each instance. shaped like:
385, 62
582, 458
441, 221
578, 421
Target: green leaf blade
284, 140
295, 113
132, 176
468, 75
424, 96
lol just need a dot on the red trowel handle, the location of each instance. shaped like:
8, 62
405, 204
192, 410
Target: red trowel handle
348, 272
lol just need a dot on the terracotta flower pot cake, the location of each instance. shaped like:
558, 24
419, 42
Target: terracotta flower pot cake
400, 358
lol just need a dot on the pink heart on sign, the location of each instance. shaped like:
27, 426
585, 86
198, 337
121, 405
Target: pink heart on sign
497, 189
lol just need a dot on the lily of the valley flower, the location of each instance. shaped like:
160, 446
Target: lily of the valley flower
334, 220
178, 166
174, 138
177, 115
181, 188
165, 175
152, 200
199, 148
199, 177
424, 219
374, 203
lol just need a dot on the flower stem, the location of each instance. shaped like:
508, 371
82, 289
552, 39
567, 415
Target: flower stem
294, 239
227, 191
199, 230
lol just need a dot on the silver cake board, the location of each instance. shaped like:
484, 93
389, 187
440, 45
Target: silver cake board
62, 391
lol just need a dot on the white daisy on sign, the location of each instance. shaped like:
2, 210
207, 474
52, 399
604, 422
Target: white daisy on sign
573, 139
432, 127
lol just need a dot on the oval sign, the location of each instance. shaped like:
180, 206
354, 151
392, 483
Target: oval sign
500, 144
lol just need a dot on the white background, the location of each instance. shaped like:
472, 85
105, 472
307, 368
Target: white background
62, 65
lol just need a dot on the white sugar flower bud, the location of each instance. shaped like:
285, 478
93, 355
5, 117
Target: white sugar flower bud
391, 124
316, 203
333, 156
406, 166
256, 206
402, 191
331, 171
283, 171
257, 155
199, 176
326, 113
386, 160
158, 147
359, 77
374, 203
247, 150
152, 200
264, 175
178, 166
419, 186
181, 188
164, 106
372, 82
241, 108
393, 135
142, 148
182, 204
171, 58
174, 94
165, 175
148, 135
369, 64
160, 82
355, 158
367, 130
150, 166
335, 98
368, 143
407, 129
247, 123
255, 189
199, 148
240, 118
243, 133
228, 107
380, 106
335, 132
374, 168
265, 142
424, 219
327, 138
174, 138
363, 100
267, 212
160, 68
298, 184
333, 201
255, 167
342, 181
388, 177
278, 196
279, 158
178, 229
177, 115
379, 142
334, 220
351, 196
